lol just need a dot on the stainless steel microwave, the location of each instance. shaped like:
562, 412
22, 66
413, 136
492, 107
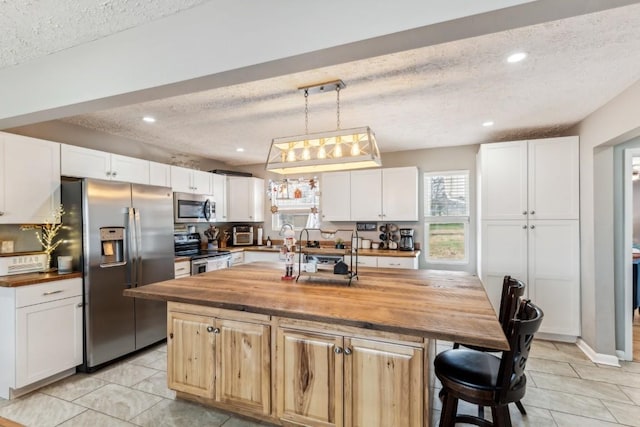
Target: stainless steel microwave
193, 208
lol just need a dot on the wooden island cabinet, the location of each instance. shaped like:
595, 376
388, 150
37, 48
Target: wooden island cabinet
318, 353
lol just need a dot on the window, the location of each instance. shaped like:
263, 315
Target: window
446, 212
294, 201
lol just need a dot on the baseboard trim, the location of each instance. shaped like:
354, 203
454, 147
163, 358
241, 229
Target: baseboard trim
599, 358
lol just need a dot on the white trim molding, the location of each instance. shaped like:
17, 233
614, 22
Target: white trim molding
599, 358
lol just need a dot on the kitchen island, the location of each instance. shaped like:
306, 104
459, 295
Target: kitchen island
318, 352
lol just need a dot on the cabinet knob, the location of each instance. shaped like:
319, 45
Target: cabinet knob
524, 227
1, 213
79, 305
524, 212
337, 350
114, 173
212, 329
533, 226
532, 212
347, 351
171, 335
108, 173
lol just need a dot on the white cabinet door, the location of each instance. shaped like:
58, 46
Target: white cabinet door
129, 169
48, 339
262, 256
159, 174
504, 180
31, 175
400, 194
181, 179
245, 199
84, 162
201, 182
181, 269
554, 273
504, 252
398, 262
363, 261
554, 178
366, 195
335, 196
219, 191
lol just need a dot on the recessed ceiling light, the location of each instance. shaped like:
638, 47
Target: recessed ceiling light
149, 119
516, 57
487, 123
240, 150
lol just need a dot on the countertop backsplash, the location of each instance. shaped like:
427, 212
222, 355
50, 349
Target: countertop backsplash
23, 241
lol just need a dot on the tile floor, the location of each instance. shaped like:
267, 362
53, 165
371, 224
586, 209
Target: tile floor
564, 389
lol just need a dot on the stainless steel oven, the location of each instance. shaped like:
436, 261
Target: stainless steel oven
189, 208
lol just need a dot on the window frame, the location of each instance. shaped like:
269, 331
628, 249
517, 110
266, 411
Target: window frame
465, 220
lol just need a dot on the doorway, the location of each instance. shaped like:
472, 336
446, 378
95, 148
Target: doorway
632, 253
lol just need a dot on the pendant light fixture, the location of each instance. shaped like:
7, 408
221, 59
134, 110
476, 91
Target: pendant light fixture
340, 149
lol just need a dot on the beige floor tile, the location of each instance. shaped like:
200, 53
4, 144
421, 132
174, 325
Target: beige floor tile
4, 402
125, 374
625, 414
95, 419
549, 366
578, 386
159, 364
119, 401
549, 351
40, 410
179, 413
536, 417
608, 374
569, 420
630, 366
565, 402
74, 386
156, 384
632, 392
148, 357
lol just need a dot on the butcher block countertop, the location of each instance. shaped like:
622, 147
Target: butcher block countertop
432, 304
34, 278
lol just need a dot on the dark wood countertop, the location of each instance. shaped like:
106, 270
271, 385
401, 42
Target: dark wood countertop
34, 278
433, 304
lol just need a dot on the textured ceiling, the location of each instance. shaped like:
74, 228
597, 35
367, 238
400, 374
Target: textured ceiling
33, 28
430, 97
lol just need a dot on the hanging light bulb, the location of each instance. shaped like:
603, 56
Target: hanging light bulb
355, 148
322, 152
337, 151
291, 155
306, 155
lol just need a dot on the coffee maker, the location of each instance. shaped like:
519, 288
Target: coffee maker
406, 239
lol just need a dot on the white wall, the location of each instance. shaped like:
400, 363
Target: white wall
614, 123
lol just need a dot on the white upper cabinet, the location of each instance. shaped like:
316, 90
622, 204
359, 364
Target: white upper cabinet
530, 179
159, 174
29, 179
245, 199
335, 196
554, 178
389, 194
186, 180
87, 163
219, 192
366, 195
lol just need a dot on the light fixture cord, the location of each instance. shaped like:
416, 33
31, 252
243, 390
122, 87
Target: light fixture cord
338, 106
306, 111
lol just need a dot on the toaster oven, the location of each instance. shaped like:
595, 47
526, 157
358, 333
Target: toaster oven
242, 235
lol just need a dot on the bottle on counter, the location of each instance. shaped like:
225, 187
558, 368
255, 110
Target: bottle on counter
268, 241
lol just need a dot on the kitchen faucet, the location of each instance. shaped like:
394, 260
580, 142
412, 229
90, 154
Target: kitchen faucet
284, 227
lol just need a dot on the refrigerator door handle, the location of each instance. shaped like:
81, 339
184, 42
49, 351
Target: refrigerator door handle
138, 257
130, 249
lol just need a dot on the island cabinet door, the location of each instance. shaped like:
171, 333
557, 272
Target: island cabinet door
243, 365
190, 353
309, 378
382, 384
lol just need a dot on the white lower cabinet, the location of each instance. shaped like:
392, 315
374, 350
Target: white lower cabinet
41, 334
182, 269
387, 262
545, 255
261, 256
237, 258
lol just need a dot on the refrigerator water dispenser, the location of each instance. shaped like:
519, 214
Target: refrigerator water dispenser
112, 242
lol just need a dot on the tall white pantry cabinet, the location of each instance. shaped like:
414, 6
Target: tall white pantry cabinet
529, 215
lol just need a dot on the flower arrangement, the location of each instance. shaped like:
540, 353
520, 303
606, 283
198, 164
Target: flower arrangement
48, 232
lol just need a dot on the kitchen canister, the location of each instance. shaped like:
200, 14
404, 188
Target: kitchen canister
64, 264
366, 243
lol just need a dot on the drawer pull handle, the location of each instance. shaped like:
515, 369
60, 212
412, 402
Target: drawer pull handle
51, 293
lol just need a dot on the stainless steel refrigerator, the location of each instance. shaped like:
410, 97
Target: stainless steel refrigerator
120, 236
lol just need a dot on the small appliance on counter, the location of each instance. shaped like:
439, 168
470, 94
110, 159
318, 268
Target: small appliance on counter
406, 239
242, 235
